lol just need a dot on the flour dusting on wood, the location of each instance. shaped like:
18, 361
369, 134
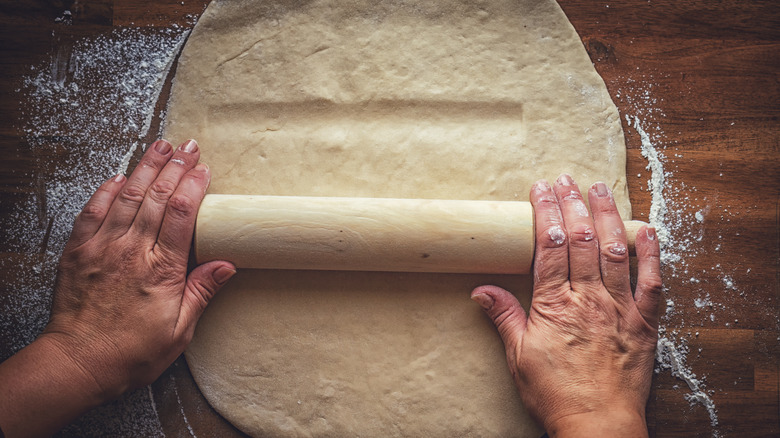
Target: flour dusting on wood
672, 352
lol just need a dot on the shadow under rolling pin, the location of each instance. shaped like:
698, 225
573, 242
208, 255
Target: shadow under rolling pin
369, 234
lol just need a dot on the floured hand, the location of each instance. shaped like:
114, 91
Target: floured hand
582, 357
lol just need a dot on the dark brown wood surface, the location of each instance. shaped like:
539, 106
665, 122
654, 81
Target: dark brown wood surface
702, 76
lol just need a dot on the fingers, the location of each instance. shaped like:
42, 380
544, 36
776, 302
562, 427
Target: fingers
551, 258
583, 245
506, 313
125, 207
178, 224
613, 247
202, 284
93, 214
648, 285
152, 210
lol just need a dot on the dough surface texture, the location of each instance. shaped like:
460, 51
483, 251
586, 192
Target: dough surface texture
402, 99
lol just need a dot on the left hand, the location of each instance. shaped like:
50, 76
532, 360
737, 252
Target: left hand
124, 306
123, 302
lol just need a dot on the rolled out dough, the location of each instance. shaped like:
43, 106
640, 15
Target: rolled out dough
405, 99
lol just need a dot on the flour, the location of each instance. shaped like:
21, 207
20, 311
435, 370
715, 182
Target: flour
686, 217
656, 185
703, 302
671, 353
672, 356
181, 407
96, 99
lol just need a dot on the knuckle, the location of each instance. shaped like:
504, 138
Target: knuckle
653, 257
582, 235
133, 194
183, 159
504, 315
202, 292
195, 177
93, 212
653, 286
162, 190
553, 236
547, 201
614, 252
182, 205
152, 161
572, 195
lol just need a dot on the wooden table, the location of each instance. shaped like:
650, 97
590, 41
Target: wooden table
701, 76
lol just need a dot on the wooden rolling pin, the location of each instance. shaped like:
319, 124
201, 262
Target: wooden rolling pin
369, 234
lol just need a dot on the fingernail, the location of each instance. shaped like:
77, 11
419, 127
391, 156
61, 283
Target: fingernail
601, 189
189, 147
120, 178
223, 274
202, 167
162, 147
565, 180
484, 300
541, 186
650, 232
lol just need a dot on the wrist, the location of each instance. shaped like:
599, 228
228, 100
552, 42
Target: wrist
79, 361
42, 389
609, 423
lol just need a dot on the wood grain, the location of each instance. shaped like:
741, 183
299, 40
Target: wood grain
701, 76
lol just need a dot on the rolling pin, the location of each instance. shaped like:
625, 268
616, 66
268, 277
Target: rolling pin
369, 234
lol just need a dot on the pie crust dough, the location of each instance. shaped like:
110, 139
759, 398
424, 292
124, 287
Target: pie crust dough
401, 99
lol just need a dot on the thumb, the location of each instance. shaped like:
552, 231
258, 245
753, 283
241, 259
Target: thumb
508, 316
202, 284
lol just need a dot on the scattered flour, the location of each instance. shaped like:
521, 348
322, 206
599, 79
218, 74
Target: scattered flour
181, 407
672, 357
676, 245
94, 99
656, 185
703, 302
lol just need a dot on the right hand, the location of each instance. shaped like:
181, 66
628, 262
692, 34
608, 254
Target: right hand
582, 357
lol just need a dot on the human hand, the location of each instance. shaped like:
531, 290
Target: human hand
582, 357
124, 305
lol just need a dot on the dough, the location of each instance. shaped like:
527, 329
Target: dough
405, 99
